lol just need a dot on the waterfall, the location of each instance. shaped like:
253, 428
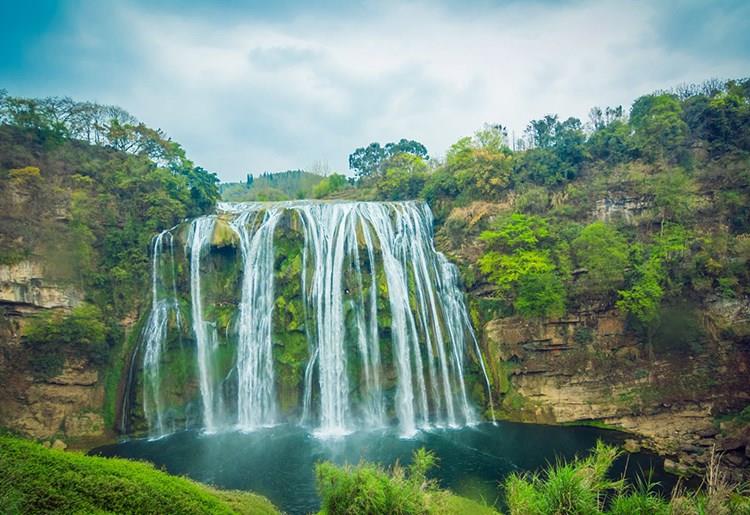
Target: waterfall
385, 321
255, 391
164, 301
201, 230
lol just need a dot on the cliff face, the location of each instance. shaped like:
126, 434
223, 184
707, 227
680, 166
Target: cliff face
68, 404
590, 367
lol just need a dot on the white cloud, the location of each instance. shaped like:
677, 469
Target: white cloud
245, 94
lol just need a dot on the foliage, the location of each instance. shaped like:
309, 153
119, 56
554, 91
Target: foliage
291, 184
659, 127
673, 170
62, 119
403, 178
330, 185
38, 480
369, 488
52, 334
673, 195
583, 486
367, 161
94, 209
603, 253
521, 265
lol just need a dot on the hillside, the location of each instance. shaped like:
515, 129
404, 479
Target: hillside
606, 263
292, 184
34, 479
81, 202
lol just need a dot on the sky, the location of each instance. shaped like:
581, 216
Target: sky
250, 86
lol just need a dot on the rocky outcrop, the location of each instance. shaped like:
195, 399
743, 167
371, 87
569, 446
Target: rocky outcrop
26, 284
588, 368
68, 404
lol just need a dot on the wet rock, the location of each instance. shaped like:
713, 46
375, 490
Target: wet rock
631, 445
691, 448
224, 235
736, 460
708, 432
84, 424
676, 468
730, 444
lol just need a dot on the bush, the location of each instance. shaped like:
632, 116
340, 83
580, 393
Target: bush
370, 489
52, 334
582, 487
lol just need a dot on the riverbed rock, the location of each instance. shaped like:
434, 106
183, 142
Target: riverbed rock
675, 467
631, 445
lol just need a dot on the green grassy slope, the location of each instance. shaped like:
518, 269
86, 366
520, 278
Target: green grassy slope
34, 479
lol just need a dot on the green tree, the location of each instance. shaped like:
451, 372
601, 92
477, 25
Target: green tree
660, 130
522, 268
403, 177
674, 196
602, 253
331, 184
367, 161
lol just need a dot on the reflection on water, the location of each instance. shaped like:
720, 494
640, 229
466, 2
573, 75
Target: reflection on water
279, 462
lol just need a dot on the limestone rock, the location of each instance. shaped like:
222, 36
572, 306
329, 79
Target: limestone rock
25, 283
59, 445
83, 424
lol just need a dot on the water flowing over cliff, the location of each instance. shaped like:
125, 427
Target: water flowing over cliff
386, 332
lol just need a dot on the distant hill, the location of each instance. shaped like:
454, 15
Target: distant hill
292, 184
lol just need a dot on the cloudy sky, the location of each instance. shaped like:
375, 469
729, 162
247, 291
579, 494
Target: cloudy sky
253, 86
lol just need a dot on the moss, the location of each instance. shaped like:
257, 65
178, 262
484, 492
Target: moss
514, 401
504, 384
290, 357
224, 235
115, 370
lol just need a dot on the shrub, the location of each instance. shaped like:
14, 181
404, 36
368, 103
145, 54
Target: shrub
52, 334
370, 489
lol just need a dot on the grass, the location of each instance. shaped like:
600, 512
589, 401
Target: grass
370, 489
583, 487
34, 479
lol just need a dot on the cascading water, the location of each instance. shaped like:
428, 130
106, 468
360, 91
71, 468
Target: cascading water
164, 302
384, 318
201, 230
256, 405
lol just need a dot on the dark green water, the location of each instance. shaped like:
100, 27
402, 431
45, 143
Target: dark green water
278, 462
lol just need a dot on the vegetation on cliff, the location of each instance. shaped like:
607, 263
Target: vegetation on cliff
84, 188
38, 480
638, 211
